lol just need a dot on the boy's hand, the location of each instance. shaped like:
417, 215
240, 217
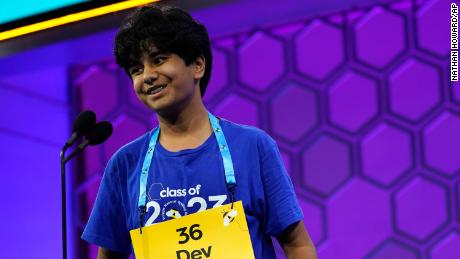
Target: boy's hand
104, 253
296, 242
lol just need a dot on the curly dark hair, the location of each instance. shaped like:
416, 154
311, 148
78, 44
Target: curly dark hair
170, 30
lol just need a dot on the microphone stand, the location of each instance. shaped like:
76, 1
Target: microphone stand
98, 133
64, 160
63, 203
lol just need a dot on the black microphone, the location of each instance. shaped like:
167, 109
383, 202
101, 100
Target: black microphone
83, 124
101, 132
98, 135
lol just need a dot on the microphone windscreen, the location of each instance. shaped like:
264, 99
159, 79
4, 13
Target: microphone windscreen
100, 133
84, 123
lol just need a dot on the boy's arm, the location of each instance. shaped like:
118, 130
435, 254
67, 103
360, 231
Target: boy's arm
296, 242
104, 253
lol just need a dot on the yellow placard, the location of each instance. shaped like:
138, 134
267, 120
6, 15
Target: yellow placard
220, 233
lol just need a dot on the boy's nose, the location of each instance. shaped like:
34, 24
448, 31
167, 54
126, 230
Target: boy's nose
149, 79
150, 75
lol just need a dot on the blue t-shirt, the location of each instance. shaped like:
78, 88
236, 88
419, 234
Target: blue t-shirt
193, 180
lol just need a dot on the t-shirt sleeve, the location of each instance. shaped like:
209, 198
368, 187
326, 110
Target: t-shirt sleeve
107, 226
281, 206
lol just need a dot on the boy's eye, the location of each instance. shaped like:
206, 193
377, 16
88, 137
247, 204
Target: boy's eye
159, 59
135, 71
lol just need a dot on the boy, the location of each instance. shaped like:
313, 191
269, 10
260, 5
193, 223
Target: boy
167, 55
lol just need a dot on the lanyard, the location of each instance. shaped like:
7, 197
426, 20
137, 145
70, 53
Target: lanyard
224, 152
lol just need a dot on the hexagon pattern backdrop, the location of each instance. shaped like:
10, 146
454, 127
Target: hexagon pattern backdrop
363, 111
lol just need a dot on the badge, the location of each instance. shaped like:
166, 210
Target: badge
220, 232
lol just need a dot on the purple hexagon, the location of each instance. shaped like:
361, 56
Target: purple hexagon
433, 26
414, 89
393, 249
96, 84
261, 61
219, 75
293, 112
325, 165
319, 50
379, 37
447, 247
238, 109
386, 153
420, 208
441, 143
359, 210
352, 101
313, 219
125, 129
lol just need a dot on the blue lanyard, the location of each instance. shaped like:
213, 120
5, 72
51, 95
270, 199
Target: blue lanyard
224, 152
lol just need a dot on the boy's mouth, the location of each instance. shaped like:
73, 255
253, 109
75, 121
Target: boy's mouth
155, 89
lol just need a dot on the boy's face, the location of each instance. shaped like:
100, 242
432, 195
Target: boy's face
163, 81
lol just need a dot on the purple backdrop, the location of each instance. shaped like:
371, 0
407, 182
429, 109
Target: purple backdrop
359, 102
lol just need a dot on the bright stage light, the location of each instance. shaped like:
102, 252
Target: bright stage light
72, 18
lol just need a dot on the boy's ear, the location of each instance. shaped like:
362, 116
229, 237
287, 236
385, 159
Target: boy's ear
199, 65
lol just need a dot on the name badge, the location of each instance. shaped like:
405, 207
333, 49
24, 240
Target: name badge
220, 232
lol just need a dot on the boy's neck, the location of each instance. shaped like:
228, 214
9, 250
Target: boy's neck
186, 129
